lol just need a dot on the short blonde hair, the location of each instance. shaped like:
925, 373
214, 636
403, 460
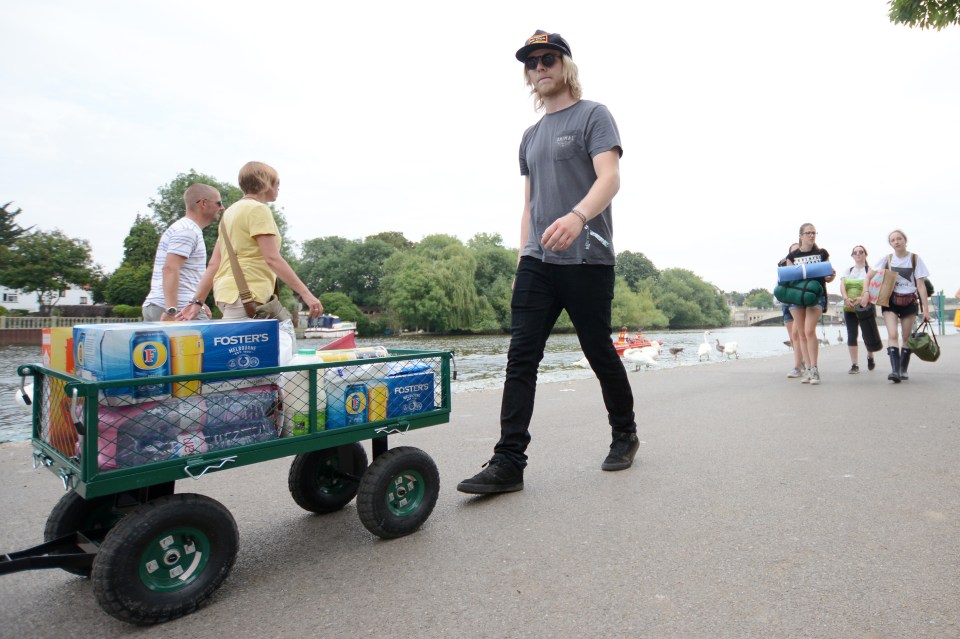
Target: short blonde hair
571, 78
256, 177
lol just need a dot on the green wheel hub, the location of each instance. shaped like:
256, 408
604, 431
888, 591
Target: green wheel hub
330, 480
405, 493
174, 559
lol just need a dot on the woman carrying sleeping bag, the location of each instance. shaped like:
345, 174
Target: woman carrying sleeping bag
807, 316
902, 309
799, 367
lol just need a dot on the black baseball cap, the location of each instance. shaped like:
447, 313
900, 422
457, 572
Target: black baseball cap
543, 40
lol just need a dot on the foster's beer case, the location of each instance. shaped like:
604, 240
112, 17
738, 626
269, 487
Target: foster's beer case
105, 352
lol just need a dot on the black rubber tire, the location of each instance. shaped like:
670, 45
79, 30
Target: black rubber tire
95, 517
320, 485
394, 476
119, 583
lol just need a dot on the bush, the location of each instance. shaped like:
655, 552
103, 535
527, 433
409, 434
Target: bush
3, 310
124, 310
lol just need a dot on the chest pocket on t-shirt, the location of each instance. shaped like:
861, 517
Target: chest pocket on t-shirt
568, 144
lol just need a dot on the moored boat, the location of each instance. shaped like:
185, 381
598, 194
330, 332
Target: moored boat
328, 327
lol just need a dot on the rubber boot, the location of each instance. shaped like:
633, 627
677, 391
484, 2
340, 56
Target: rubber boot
894, 375
904, 362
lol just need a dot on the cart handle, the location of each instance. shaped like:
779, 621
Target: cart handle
27, 399
209, 466
77, 421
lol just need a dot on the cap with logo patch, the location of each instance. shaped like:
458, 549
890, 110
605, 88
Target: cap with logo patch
543, 40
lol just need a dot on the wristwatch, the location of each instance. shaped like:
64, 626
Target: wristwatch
197, 302
171, 311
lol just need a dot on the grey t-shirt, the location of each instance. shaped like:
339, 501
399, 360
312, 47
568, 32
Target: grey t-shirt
557, 154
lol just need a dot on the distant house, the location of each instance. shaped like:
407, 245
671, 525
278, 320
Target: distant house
13, 299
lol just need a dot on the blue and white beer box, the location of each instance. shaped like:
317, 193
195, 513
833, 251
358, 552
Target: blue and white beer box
358, 402
409, 394
106, 352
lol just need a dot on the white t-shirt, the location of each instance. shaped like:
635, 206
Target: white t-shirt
903, 266
185, 238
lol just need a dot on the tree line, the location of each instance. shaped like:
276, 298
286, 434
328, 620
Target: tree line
383, 281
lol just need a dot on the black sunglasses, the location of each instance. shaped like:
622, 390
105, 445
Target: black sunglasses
219, 203
548, 59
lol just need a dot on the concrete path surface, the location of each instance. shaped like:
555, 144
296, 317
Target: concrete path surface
760, 507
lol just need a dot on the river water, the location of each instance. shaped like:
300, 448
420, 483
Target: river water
479, 360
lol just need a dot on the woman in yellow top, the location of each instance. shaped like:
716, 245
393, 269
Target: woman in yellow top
256, 240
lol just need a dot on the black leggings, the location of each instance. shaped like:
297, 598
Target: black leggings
853, 327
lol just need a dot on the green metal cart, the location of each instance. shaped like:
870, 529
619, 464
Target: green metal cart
154, 555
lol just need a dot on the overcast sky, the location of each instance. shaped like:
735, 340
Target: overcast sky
739, 121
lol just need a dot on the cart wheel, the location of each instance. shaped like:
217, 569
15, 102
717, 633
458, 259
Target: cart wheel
165, 559
73, 513
398, 492
319, 484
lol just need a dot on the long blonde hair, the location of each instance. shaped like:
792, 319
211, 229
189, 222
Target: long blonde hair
571, 78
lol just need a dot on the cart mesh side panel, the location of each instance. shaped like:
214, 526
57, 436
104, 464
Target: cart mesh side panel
222, 415
56, 420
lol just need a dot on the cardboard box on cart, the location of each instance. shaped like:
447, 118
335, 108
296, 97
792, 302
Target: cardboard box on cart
105, 352
56, 351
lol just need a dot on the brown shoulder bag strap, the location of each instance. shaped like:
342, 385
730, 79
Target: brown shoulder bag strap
245, 294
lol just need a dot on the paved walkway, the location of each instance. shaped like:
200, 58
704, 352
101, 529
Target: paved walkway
760, 508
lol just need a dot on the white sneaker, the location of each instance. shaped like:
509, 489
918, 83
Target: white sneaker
806, 376
814, 376
795, 373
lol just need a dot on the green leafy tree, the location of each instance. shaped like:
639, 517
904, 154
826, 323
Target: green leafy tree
496, 267
737, 299
140, 245
129, 284
690, 302
635, 308
926, 14
432, 287
394, 239
47, 263
634, 268
10, 232
340, 305
352, 267
759, 299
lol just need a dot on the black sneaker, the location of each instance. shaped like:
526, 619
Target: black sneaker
854, 369
871, 364
622, 452
498, 476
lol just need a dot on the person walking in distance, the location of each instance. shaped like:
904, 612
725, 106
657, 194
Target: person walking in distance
796, 343
181, 258
570, 163
901, 311
806, 318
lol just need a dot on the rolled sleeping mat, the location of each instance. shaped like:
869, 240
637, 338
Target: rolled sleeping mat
867, 319
800, 293
803, 271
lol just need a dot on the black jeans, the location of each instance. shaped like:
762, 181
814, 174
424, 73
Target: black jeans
540, 292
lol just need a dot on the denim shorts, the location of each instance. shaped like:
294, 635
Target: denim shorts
787, 317
822, 303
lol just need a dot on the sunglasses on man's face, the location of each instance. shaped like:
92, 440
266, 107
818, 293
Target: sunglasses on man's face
548, 59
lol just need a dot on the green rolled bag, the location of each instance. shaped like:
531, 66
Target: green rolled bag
799, 292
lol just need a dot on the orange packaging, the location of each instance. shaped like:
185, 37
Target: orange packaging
57, 349
57, 353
